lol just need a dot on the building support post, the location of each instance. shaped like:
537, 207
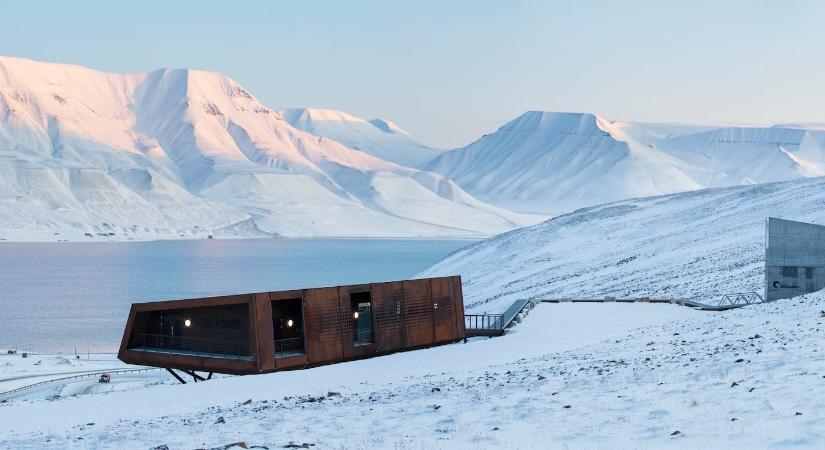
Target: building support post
174, 374
194, 375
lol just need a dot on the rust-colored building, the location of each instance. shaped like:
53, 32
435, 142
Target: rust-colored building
268, 331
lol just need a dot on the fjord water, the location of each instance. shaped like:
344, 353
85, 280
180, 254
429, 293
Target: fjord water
55, 297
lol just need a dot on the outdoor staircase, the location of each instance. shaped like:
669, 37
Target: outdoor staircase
495, 324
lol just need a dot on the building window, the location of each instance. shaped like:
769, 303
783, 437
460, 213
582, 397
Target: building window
790, 272
809, 273
361, 309
205, 330
288, 327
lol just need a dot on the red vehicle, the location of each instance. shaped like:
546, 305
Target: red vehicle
105, 378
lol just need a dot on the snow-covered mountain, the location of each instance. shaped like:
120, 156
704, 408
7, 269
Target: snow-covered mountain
555, 163
700, 245
380, 138
186, 152
747, 155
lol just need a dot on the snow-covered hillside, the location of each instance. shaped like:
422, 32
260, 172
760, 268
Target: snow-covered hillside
570, 376
737, 155
700, 244
555, 163
186, 152
380, 138
558, 162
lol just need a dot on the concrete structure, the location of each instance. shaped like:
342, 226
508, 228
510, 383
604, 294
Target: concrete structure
794, 258
268, 331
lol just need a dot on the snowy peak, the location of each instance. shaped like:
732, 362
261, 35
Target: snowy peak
305, 118
556, 162
744, 155
176, 152
379, 138
549, 123
550, 162
775, 135
21, 72
534, 120
388, 127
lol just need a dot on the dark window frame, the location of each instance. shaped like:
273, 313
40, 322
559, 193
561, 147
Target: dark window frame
363, 322
288, 341
165, 331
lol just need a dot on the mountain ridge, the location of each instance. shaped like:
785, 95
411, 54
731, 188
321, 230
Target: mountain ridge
90, 152
556, 162
377, 137
545, 162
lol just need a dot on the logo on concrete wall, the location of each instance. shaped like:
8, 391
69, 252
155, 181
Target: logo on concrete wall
778, 285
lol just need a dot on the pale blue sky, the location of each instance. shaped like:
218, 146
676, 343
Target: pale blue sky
450, 71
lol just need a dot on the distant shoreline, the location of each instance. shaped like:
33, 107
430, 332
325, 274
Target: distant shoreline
251, 238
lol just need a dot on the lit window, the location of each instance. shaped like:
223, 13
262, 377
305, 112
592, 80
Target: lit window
361, 307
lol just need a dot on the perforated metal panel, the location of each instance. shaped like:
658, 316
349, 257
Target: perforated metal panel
323, 325
388, 300
418, 313
443, 309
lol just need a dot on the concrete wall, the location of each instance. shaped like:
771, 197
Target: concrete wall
793, 248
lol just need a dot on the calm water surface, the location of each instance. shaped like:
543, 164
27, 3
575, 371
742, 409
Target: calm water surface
58, 296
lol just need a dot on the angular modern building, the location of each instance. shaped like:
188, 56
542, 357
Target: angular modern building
268, 331
794, 258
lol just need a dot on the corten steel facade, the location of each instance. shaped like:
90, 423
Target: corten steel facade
268, 331
794, 258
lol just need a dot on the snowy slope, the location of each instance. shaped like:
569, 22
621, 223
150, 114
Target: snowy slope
737, 155
700, 244
72, 163
185, 152
557, 162
380, 138
570, 376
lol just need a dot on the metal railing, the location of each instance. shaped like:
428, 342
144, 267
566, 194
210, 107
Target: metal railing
289, 347
726, 302
509, 315
186, 344
741, 299
483, 324
83, 375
